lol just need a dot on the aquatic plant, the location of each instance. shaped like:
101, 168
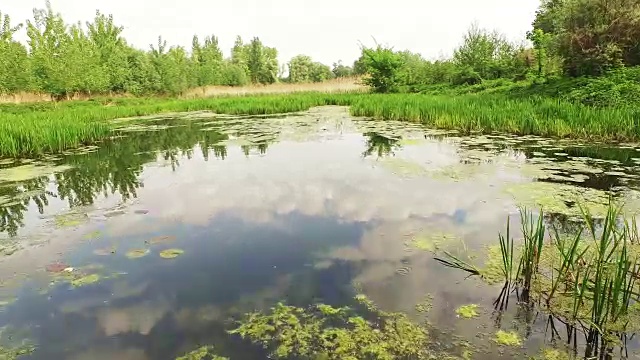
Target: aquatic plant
508, 338
51, 128
137, 253
467, 311
171, 253
326, 332
587, 279
201, 353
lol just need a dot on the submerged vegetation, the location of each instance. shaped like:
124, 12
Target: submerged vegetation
585, 279
325, 332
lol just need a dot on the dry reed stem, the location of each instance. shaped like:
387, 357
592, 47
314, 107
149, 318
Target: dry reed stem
349, 84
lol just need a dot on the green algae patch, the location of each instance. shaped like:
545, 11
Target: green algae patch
15, 353
554, 354
468, 311
92, 235
402, 167
560, 198
431, 241
137, 253
507, 338
85, 280
202, 353
293, 332
425, 305
70, 219
30, 171
171, 253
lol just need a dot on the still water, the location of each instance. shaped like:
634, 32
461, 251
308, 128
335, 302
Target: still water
305, 208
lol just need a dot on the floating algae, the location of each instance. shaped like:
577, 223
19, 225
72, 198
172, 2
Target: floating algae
29, 171
70, 219
85, 280
467, 311
202, 353
508, 338
137, 253
559, 198
288, 331
402, 167
430, 241
171, 253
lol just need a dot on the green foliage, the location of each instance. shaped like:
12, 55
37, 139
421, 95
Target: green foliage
14, 61
326, 332
303, 69
592, 36
201, 353
34, 129
340, 70
382, 65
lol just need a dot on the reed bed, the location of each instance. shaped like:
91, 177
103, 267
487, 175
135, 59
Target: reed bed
586, 280
28, 129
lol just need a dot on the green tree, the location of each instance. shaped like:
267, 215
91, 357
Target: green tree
207, 61
49, 49
15, 71
592, 36
382, 65
262, 62
340, 70
112, 49
300, 69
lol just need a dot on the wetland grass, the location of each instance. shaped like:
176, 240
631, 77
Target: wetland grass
586, 280
28, 129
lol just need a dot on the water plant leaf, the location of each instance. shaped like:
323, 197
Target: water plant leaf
137, 253
105, 251
163, 239
171, 253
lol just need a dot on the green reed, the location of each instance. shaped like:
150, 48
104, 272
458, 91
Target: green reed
586, 280
28, 129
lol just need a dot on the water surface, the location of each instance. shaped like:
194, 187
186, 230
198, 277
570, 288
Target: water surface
302, 208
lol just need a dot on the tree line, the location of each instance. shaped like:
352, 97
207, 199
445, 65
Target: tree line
63, 59
568, 39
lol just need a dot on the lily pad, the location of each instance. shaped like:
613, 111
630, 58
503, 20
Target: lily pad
467, 311
104, 251
171, 253
160, 240
137, 253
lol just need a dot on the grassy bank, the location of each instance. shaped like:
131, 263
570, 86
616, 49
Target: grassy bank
27, 129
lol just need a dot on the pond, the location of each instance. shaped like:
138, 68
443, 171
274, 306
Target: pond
157, 241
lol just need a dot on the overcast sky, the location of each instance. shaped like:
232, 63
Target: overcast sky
327, 30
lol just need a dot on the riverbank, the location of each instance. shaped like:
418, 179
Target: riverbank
30, 129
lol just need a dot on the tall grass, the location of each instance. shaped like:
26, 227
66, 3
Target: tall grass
28, 129
498, 113
48, 128
587, 280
